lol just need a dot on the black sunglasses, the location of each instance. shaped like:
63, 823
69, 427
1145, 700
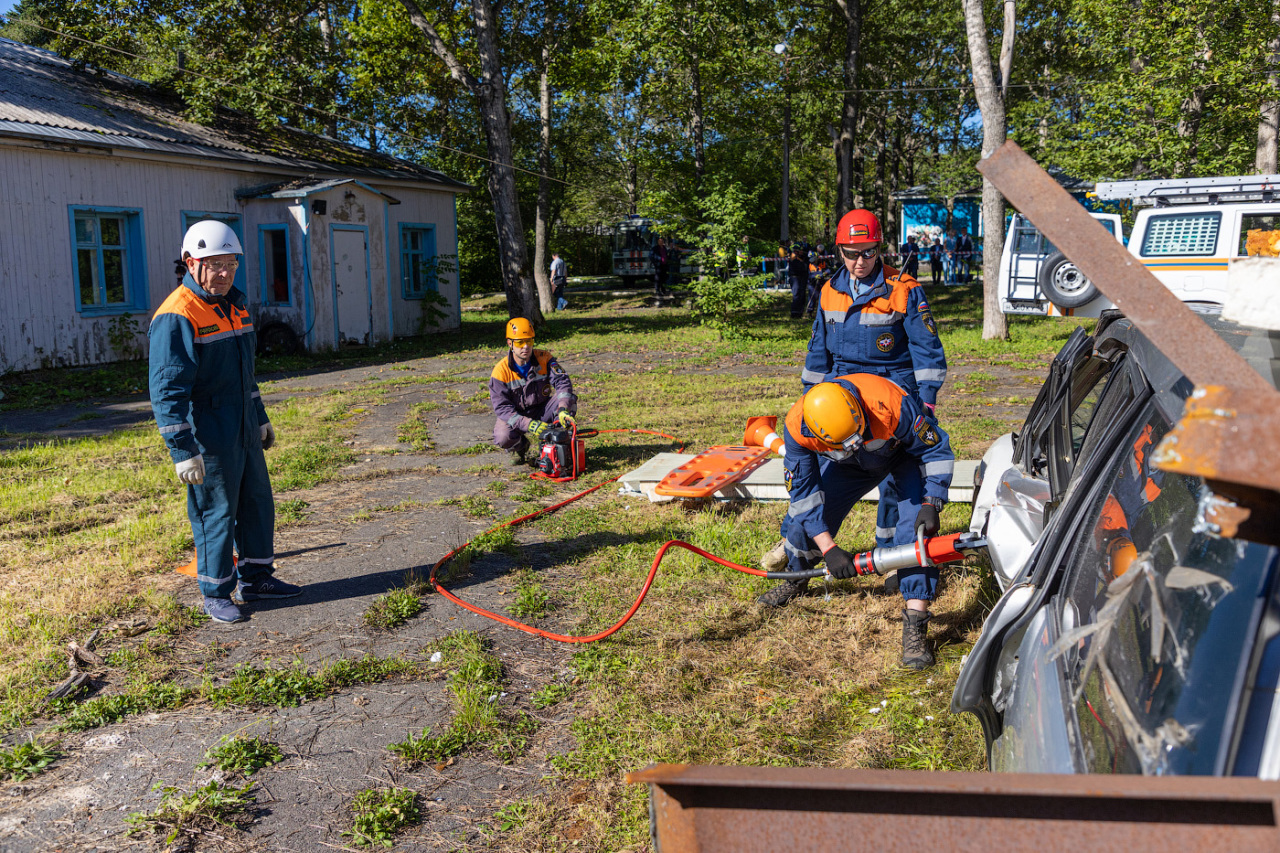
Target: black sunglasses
852, 254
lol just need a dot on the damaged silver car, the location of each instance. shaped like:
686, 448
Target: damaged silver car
1129, 638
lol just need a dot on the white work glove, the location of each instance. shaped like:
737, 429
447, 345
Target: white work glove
191, 471
268, 435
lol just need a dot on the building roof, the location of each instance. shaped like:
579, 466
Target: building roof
44, 96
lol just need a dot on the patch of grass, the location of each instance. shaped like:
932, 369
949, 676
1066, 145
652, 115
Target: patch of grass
27, 759
189, 813
414, 429
105, 710
49, 387
513, 815
393, 609
473, 450
532, 600
290, 511
242, 754
403, 506
550, 694
475, 506
498, 487
362, 515
377, 815
475, 684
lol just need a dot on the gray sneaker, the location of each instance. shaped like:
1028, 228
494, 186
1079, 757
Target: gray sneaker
775, 559
915, 646
784, 592
267, 586
222, 610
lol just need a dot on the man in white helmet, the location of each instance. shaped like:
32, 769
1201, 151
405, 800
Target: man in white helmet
208, 408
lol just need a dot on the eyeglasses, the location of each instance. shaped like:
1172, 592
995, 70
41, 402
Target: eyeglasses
230, 266
851, 254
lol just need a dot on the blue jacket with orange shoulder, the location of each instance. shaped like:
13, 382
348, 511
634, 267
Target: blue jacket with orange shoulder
544, 390
203, 390
895, 425
889, 332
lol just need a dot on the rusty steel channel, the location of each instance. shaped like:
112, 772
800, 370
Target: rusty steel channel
704, 809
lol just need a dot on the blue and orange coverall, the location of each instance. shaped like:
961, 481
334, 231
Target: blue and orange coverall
206, 401
824, 482
889, 331
520, 396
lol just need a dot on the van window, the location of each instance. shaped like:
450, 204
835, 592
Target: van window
1256, 222
1182, 234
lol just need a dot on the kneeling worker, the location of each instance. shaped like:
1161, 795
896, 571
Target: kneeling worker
208, 408
843, 438
528, 391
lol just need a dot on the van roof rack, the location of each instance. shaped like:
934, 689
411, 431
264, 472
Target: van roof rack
1171, 191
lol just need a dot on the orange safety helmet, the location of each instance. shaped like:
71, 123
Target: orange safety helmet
519, 330
832, 413
858, 226
1121, 553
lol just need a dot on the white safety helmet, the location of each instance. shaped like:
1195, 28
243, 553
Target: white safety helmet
210, 237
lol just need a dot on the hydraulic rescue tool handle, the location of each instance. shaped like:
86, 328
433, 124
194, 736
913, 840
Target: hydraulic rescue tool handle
923, 552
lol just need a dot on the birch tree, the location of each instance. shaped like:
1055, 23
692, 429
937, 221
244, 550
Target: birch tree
991, 95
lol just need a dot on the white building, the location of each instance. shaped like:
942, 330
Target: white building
100, 176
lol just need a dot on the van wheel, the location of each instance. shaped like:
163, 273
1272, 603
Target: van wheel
277, 339
1063, 284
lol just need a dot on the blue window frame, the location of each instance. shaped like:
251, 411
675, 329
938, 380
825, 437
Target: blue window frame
417, 259
275, 267
108, 263
232, 220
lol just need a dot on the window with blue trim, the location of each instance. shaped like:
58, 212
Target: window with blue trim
418, 261
110, 275
273, 255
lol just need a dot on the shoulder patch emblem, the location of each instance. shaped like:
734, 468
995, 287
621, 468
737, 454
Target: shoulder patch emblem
546, 390
927, 316
925, 431
786, 477
884, 343
207, 330
556, 368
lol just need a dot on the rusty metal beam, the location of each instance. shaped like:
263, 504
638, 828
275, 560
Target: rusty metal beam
1190, 344
700, 809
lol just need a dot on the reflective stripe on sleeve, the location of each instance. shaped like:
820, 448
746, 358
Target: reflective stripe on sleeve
811, 376
805, 504
931, 375
170, 430
937, 469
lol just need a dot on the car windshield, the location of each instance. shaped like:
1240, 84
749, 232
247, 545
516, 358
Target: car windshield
1156, 616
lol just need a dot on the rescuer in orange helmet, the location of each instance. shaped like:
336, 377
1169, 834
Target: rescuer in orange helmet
841, 439
528, 391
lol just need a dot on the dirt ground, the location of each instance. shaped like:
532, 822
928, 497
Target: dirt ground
336, 747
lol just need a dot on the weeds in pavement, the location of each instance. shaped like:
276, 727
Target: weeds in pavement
290, 511
378, 814
532, 600
393, 609
476, 683
27, 759
242, 754
550, 694
189, 813
413, 431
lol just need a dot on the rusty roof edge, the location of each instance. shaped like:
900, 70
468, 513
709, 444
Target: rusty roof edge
1190, 344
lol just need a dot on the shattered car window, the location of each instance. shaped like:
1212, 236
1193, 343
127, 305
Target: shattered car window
1154, 611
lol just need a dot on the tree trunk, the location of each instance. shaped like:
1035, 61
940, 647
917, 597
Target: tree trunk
697, 126
1269, 117
490, 92
1189, 115
991, 101
785, 229
852, 12
541, 274
330, 48
879, 204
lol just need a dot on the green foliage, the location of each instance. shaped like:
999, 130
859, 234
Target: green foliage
513, 815
720, 303
550, 694
27, 759
414, 429
393, 609
290, 511
243, 755
532, 599
215, 804
104, 710
122, 334
378, 814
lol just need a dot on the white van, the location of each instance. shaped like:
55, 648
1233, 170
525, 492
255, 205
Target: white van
1188, 232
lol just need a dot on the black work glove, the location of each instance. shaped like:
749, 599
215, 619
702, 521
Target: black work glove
928, 519
839, 563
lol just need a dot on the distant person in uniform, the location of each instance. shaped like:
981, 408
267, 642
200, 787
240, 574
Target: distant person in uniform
528, 391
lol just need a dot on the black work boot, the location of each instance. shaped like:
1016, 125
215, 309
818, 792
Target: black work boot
518, 453
915, 648
784, 592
